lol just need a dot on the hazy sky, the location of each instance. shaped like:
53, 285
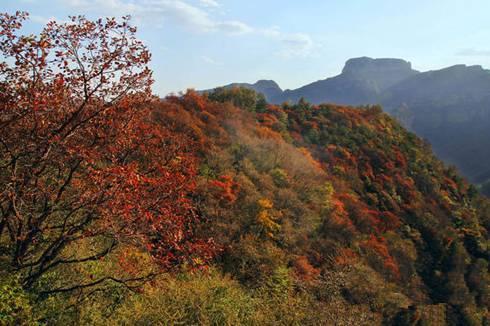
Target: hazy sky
206, 43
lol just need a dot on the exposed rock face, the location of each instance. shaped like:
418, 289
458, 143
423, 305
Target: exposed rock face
362, 81
384, 72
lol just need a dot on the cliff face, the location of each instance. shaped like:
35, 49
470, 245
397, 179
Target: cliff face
383, 72
362, 81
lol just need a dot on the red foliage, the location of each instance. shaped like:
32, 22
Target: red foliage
267, 120
451, 184
389, 221
225, 189
400, 159
379, 246
367, 171
192, 99
385, 179
346, 257
304, 270
340, 216
366, 219
80, 154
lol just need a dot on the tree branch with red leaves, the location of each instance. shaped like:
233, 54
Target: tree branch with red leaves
80, 155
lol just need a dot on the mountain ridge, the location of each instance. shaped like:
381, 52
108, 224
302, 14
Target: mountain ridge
442, 106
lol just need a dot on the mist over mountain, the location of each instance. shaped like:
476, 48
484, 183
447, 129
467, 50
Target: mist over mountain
448, 107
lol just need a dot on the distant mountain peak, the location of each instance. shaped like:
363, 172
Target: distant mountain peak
361, 82
463, 66
267, 83
269, 88
366, 64
385, 72
462, 69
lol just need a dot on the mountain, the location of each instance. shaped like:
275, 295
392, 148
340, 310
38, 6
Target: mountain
459, 83
449, 107
119, 208
362, 81
383, 72
300, 215
332, 215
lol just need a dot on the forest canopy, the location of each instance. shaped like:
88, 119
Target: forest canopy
216, 208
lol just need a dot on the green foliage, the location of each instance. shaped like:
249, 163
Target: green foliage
241, 97
15, 303
254, 260
382, 181
279, 283
189, 299
280, 177
213, 299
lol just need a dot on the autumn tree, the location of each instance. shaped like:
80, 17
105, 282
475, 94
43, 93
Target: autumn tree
81, 159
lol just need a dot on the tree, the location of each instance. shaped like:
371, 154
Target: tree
266, 220
81, 159
241, 97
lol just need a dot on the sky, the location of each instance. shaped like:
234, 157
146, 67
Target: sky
202, 44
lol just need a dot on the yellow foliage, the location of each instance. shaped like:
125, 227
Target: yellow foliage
328, 192
265, 203
266, 219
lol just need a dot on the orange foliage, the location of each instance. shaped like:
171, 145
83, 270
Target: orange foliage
346, 257
192, 99
304, 270
225, 189
379, 246
340, 216
310, 158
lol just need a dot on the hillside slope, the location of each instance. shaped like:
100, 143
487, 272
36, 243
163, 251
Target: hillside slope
448, 107
330, 197
305, 215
